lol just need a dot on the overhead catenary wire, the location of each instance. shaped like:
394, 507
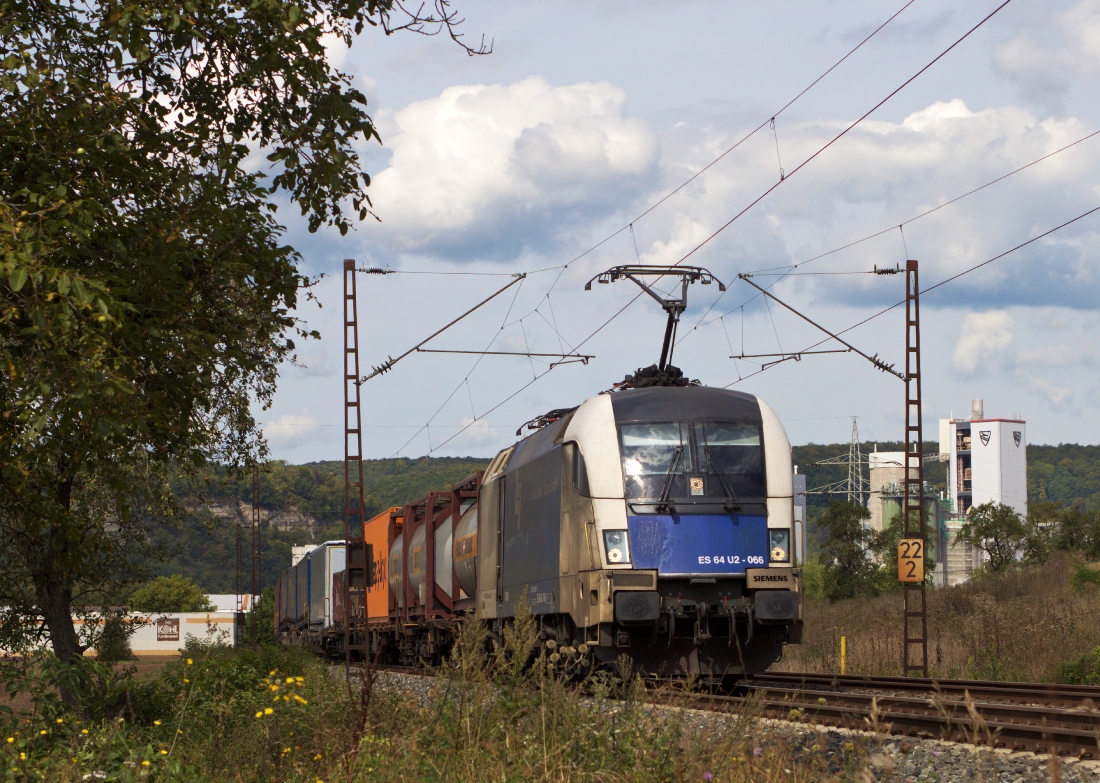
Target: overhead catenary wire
744, 138
843, 133
879, 363
791, 267
827, 145
390, 362
477, 362
934, 287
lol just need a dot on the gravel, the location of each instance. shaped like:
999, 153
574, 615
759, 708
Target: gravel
884, 758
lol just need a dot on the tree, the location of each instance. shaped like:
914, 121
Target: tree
998, 531
1078, 530
844, 551
147, 294
1040, 530
170, 594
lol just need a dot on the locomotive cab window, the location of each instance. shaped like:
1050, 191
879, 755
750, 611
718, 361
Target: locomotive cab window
666, 460
653, 454
733, 450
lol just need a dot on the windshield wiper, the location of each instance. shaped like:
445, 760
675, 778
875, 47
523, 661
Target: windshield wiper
663, 503
732, 503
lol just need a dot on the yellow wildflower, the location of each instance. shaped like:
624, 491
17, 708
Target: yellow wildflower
272, 673
317, 757
145, 763
43, 732
163, 752
299, 699
186, 680
260, 714
268, 710
22, 756
60, 720
83, 731
189, 662
11, 739
156, 723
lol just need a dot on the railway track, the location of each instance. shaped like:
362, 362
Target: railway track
1037, 717
985, 690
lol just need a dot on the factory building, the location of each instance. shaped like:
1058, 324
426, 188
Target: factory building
987, 461
887, 477
887, 485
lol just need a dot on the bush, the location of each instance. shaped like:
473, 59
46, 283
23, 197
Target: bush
170, 594
1084, 575
1082, 671
113, 644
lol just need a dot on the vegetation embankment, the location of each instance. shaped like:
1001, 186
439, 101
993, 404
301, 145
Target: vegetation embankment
279, 714
1038, 622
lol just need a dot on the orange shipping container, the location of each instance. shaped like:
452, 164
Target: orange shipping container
379, 533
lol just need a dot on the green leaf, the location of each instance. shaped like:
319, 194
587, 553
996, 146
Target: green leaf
63, 284
17, 278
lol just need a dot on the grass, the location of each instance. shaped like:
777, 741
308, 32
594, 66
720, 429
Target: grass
277, 714
1026, 625
282, 715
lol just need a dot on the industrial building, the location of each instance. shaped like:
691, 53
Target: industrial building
986, 463
987, 460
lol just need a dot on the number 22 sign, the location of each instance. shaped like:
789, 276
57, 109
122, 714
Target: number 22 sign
911, 560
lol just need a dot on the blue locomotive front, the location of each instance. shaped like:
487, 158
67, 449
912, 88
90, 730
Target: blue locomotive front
652, 522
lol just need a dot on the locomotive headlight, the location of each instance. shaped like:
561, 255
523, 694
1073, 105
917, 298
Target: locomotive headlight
779, 542
617, 545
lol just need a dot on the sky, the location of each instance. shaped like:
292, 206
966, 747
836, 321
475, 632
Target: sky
546, 156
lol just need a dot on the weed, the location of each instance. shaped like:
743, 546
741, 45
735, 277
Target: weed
1021, 625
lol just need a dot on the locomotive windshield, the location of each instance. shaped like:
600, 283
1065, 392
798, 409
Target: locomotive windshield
692, 459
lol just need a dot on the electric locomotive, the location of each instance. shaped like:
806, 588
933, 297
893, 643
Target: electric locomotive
653, 522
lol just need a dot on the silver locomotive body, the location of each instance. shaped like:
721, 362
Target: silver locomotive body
650, 522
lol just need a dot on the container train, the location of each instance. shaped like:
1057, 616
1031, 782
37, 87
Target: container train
649, 522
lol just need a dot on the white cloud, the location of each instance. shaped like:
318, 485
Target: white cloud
1053, 355
315, 361
290, 431
879, 175
1056, 395
483, 166
983, 337
1044, 69
476, 438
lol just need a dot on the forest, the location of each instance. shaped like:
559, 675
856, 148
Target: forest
303, 504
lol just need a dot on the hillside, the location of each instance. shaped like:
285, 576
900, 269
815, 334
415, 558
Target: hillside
304, 503
1065, 473
299, 504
